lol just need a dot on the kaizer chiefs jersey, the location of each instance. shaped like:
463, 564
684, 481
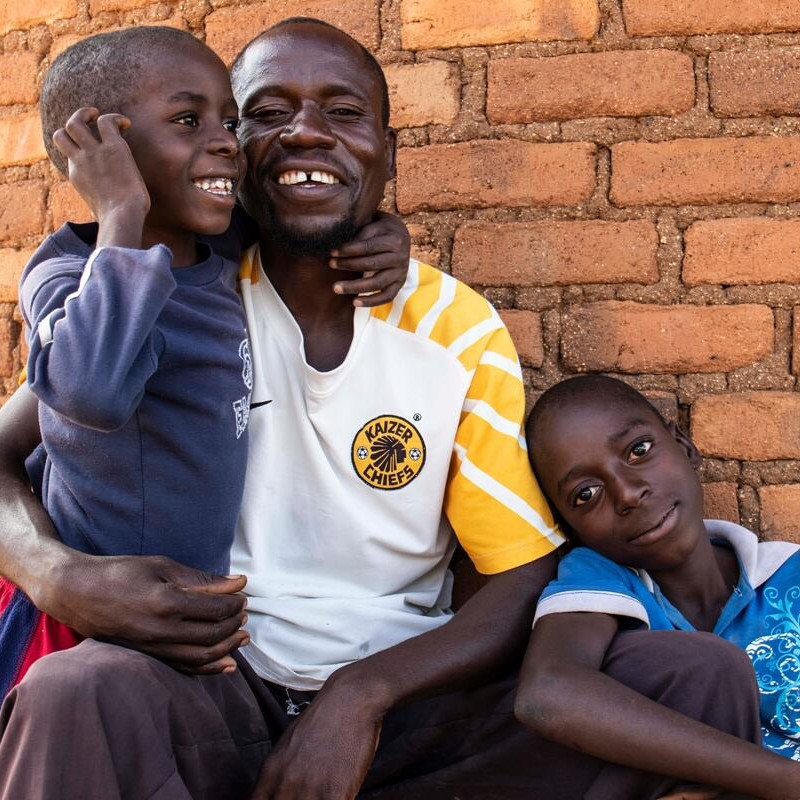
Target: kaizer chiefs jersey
358, 477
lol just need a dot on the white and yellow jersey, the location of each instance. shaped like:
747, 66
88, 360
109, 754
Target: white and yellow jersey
342, 533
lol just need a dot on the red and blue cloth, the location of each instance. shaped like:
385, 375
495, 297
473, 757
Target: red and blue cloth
26, 634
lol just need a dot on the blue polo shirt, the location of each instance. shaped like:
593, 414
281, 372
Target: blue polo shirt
762, 615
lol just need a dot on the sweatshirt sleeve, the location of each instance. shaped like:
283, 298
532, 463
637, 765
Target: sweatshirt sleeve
93, 337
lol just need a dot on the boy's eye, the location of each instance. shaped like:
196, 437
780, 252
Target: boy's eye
584, 495
231, 125
639, 450
190, 120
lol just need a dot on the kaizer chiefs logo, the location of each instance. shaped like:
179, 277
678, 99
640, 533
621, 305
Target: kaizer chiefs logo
388, 452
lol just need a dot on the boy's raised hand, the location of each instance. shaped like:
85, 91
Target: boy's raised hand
103, 171
381, 251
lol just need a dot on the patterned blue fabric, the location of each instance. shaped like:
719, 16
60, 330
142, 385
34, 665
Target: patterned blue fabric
17, 626
762, 616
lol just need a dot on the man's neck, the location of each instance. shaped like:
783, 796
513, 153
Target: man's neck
305, 284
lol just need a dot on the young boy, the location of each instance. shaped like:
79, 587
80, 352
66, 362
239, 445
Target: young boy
624, 485
138, 348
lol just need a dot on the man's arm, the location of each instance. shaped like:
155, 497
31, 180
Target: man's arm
565, 697
326, 754
185, 617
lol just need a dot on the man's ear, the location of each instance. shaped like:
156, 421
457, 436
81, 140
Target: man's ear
390, 151
692, 453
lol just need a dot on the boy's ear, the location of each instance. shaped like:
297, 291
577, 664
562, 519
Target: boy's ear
692, 453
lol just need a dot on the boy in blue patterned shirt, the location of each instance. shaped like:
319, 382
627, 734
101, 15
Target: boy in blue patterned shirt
624, 484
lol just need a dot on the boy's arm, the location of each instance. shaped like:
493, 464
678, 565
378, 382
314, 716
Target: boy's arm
565, 697
93, 343
185, 617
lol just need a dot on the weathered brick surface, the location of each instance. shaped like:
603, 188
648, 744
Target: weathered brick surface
752, 83
719, 501
482, 174
8, 338
66, 205
756, 169
11, 264
742, 251
796, 340
21, 140
98, 6
525, 328
464, 23
18, 83
21, 210
688, 17
618, 83
752, 426
16, 15
229, 29
423, 94
556, 253
634, 337
780, 512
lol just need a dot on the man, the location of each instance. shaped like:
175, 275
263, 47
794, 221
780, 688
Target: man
364, 428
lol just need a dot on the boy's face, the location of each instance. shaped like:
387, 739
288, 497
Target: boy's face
319, 155
182, 136
623, 482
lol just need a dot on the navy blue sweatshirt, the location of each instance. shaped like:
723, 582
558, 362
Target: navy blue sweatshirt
144, 377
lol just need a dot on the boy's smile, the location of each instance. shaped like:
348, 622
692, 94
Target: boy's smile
623, 482
313, 133
182, 137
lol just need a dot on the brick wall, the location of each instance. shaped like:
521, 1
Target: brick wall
620, 177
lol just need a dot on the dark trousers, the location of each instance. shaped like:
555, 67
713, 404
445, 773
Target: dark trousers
100, 722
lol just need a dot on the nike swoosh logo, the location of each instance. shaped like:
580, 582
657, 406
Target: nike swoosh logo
262, 403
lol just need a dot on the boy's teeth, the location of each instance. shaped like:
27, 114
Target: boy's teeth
215, 185
295, 176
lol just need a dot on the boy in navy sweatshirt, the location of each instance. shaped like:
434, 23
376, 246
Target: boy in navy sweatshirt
138, 349
624, 485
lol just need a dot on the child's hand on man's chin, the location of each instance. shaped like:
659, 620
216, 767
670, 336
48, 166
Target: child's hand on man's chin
380, 251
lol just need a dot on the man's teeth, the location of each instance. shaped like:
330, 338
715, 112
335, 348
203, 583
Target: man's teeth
296, 176
215, 185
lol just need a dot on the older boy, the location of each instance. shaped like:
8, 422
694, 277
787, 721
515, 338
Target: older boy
623, 483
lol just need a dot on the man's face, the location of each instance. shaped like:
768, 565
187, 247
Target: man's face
623, 482
318, 153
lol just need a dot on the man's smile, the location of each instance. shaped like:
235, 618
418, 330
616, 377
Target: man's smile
295, 177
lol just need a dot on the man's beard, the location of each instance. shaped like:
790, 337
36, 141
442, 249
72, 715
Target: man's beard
317, 241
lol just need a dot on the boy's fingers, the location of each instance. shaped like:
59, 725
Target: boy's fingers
111, 125
65, 145
77, 127
368, 284
379, 298
363, 248
374, 263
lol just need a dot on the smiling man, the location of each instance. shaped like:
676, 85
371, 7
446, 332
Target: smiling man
375, 435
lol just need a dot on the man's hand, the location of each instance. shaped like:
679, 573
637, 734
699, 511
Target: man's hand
103, 171
326, 753
179, 615
381, 251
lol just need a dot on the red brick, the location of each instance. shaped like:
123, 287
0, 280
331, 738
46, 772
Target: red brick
747, 250
9, 335
556, 253
613, 84
632, 337
16, 15
481, 174
98, 6
780, 512
21, 210
11, 265
796, 340
21, 140
229, 29
423, 94
751, 426
18, 84
752, 83
66, 205
463, 23
720, 501
688, 17
756, 169
525, 328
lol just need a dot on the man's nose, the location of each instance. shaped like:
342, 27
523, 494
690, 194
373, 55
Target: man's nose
629, 490
308, 128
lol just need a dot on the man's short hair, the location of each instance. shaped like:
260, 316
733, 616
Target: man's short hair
103, 71
370, 61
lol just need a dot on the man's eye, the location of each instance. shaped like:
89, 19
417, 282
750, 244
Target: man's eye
344, 111
231, 125
585, 494
267, 114
639, 450
190, 120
